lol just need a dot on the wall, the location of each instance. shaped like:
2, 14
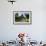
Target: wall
9, 31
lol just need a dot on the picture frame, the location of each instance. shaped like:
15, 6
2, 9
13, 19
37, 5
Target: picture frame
22, 17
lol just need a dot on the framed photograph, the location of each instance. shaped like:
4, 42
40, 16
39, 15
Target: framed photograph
22, 17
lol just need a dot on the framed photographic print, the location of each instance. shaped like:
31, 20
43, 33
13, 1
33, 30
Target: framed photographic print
22, 17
